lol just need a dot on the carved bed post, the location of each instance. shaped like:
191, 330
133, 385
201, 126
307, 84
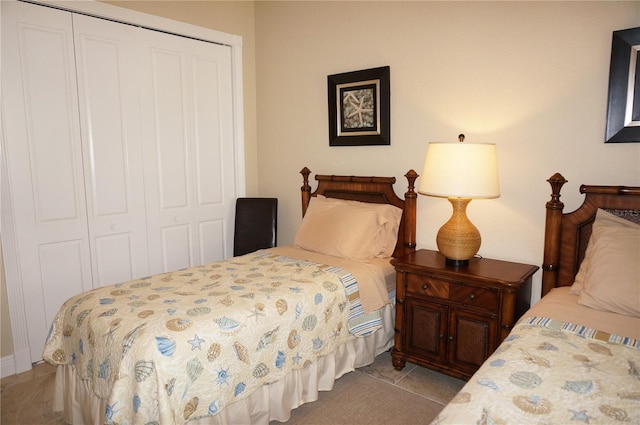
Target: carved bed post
552, 234
410, 213
306, 189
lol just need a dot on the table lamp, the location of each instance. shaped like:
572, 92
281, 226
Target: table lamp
460, 172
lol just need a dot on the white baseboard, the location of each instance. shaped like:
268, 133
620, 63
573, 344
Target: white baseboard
7, 366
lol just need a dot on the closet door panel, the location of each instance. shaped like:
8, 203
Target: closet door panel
188, 142
44, 156
110, 120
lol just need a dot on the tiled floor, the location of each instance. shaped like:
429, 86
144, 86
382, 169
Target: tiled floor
26, 398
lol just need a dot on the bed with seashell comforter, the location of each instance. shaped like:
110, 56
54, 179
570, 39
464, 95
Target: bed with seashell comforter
247, 339
574, 357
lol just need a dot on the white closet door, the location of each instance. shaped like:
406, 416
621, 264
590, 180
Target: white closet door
188, 150
106, 62
42, 144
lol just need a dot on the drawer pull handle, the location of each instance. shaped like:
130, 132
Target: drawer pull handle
441, 336
472, 297
450, 338
424, 287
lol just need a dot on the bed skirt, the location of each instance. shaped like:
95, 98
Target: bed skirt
275, 401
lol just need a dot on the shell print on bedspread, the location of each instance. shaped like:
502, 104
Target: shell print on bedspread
309, 322
145, 313
83, 315
213, 352
59, 356
280, 360
166, 346
130, 339
260, 371
136, 403
178, 324
525, 379
109, 312
143, 370
239, 388
614, 413
105, 301
580, 387
294, 339
599, 348
198, 311
241, 352
194, 369
137, 285
330, 286
533, 404
281, 306
226, 324
118, 292
318, 298
191, 407
267, 338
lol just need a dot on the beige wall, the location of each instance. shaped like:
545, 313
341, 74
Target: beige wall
531, 77
528, 76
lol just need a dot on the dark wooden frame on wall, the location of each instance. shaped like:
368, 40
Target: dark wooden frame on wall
376, 82
624, 92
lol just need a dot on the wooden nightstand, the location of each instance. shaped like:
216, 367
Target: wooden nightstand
452, 318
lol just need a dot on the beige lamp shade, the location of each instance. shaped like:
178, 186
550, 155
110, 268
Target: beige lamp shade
459, 171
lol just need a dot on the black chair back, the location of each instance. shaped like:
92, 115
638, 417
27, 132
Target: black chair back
256, 224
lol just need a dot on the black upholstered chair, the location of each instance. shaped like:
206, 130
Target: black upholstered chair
256, 224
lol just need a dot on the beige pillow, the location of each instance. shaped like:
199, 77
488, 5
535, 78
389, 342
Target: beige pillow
349, 229
603, 219
612, 277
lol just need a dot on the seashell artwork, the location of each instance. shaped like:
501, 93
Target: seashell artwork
294, 339
194, 369
227, 324
198, 311
241, 352
497, 362
309, 322
280, 359
580, 387
532, 358
260, 371
178, 324
488, 383
109, 312
137, 303
318, 298
534, 404
213, 408
600, 349
330, 286
130, 338
267, 338
104, 370
190, 407
298, 310
137, 285
250, 295
276, 284
239, 388
105, 301
630, 395
83, 315
317, 344
143, 370
281, 306
153, 297
166, 346
59, 356
136, 403
547, 347
145, 313
169, 386
119, 292
614, 412
525, 379
259, 306
227, 301
213, 352
68, 330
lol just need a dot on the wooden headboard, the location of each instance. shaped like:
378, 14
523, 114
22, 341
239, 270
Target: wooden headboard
370, 189
567, 234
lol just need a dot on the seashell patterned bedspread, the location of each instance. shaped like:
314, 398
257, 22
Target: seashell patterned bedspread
182, 345
552, 372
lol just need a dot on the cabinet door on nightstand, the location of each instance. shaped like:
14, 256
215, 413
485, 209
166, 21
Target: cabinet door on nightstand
426, 329
472, 338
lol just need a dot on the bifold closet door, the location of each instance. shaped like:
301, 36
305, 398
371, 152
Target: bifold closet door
108, 74
42, 145
186, 102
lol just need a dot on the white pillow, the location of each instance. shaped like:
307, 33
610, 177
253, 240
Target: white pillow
349, 229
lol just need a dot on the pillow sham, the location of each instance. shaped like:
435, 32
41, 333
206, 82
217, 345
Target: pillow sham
603, 219
612, 277
349, 229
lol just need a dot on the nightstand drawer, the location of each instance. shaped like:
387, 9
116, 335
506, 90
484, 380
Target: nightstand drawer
426, 285
472, 295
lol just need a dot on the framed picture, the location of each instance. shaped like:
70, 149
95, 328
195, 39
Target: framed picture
359, 108
623, 106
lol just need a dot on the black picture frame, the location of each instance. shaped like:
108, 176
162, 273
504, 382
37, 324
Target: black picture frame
359, 110
623, 104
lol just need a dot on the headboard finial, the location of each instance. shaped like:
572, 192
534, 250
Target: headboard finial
306, 189
556, 181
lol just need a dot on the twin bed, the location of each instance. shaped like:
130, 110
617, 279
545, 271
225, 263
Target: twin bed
251, 338
248, 339
574, 357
